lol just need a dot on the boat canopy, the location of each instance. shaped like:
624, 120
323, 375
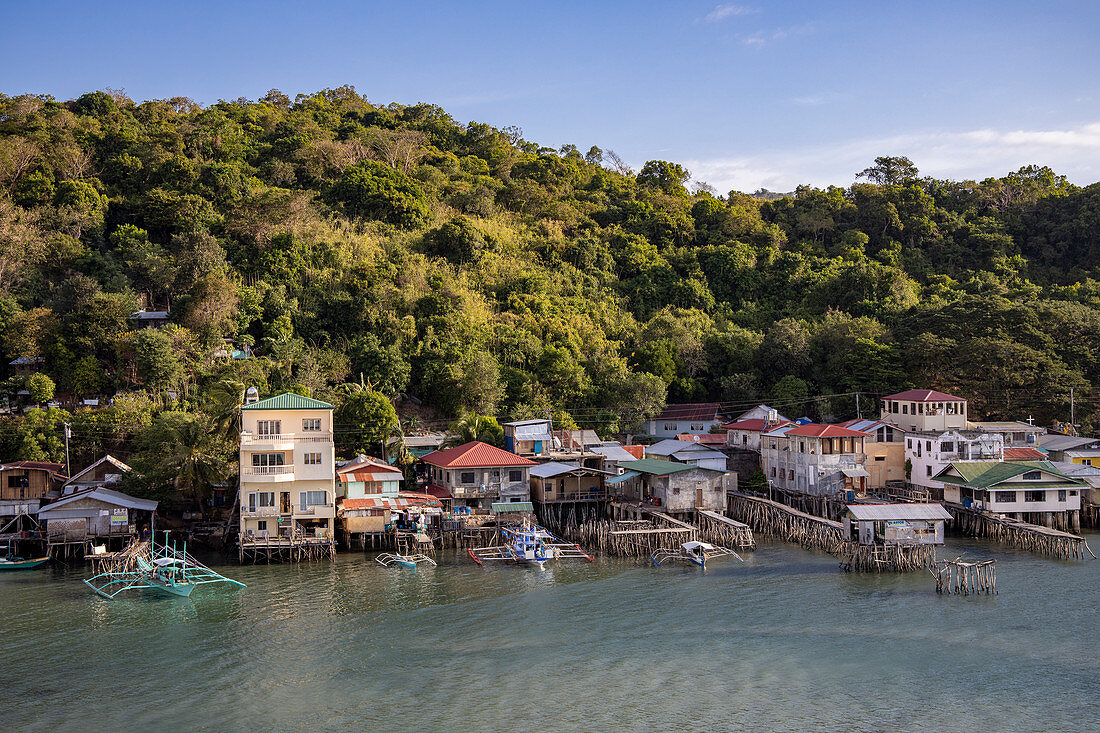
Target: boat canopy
162, 561
689, 546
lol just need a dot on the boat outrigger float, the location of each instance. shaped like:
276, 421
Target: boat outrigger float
693, 552
389, 559
162, 569
528, 543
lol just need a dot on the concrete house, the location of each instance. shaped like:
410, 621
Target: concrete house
1012, 432
696, 418
924, 410
762, 412
885, 449
1027, 490
745, 434
677, 487
929, 453
477, 474
287, 468
815, 459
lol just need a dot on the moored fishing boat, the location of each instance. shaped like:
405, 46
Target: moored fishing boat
162, 569
694, 552
18, 563
390, 559
528, 543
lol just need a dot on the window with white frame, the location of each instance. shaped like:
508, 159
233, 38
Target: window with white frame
312, 459
269, 427
671, 426
260, 499
311, 425
698, 426
1004, 497
309, 499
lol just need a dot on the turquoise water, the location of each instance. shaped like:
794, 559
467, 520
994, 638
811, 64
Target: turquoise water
785, 642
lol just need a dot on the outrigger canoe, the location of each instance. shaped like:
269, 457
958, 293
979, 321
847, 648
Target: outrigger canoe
18, 563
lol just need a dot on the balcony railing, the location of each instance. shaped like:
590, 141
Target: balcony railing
248, 438
269, 470
484, 490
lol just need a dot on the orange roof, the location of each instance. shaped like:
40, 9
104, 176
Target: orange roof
638, 451
815, 430
1024, 453
475, 454
923, 395
708, 439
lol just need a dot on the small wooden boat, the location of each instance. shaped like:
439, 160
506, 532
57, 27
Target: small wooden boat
18, 563
696, 553
389, 559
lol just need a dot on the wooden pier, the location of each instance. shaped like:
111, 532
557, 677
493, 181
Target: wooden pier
817, 533
1031, 537
955, 577
286, 549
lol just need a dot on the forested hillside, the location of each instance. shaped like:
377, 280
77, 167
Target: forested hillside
397, 248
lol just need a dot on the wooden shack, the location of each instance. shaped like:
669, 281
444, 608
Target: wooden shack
895, 525
95, 516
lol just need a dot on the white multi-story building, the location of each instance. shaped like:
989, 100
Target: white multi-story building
815, 459
288, 469
929, 453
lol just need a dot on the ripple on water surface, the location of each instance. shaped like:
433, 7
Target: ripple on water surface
784, 642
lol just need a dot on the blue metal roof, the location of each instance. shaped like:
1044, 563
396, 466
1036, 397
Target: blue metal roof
622, 477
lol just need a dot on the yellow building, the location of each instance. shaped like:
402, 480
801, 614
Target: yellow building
288, 469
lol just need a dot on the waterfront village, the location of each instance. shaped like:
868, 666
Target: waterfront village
879, 492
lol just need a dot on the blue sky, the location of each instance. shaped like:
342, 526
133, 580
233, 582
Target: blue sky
746, 95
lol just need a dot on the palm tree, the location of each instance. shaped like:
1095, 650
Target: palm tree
223, 404
191, 458
471, 426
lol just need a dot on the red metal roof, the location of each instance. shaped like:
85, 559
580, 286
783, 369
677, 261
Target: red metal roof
440, 492
638, 451
690, 411
923, 395
401, 501
815, 430
475, 454
1024, 453
708, 439
54, 468
377, 475
756, 425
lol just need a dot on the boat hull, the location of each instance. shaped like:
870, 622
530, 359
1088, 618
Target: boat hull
406, 564
181, 590
22, 564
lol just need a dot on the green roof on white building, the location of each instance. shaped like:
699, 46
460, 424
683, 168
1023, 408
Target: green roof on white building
288, 401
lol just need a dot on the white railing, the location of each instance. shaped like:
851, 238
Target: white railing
268, 470
311, 437
263, 511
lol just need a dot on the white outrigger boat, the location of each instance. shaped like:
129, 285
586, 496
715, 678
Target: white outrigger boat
390, 559
163, 569
528, 543
693, 552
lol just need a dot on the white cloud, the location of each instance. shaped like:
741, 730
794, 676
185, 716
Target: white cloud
721, 12
762, 38
969, 154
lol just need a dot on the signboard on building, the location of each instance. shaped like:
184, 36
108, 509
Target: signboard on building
119, 518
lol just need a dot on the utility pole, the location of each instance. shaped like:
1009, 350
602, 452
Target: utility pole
1072, 415
68, 432
859, 410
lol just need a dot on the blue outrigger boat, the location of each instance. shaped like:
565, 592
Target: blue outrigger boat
164, 570
528, 543
696, 553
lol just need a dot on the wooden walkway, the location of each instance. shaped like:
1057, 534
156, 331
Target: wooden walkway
1031, 537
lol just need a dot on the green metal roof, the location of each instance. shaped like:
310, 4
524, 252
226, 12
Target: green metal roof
288, 401
655, 466
503, 507
986, 474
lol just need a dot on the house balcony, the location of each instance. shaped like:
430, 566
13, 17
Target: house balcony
267, 474
484, 491
282, 441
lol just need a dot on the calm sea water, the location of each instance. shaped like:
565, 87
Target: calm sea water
785, 642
